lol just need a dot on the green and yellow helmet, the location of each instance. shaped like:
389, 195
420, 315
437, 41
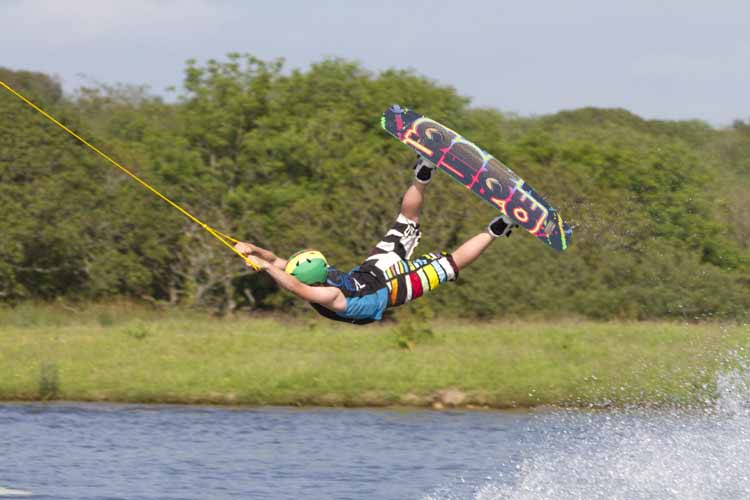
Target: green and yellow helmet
308, 266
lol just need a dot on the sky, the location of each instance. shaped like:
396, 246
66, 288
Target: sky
671, 59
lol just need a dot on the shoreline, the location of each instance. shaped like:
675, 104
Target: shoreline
540, 409
250, 407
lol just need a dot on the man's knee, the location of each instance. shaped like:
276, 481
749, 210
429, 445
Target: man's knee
403, 219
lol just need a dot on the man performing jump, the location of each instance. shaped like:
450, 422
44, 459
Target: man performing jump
388, 277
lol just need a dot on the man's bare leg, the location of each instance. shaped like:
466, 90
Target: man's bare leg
411, 205
472, 249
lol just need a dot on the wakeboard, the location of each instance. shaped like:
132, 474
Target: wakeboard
480, 172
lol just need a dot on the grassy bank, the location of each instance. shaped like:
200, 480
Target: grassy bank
131, 354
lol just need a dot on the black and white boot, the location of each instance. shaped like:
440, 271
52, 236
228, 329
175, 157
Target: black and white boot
501, 226
423, 170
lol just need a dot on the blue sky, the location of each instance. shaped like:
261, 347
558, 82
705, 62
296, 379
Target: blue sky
660, 59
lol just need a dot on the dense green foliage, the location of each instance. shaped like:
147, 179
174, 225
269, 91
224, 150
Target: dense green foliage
297, 159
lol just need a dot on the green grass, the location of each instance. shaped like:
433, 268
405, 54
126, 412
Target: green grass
133, 354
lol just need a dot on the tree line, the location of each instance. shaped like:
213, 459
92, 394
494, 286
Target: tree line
297, 159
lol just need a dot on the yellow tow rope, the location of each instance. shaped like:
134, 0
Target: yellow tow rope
226, 240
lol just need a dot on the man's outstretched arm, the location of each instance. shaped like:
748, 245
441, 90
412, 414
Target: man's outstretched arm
249, 250
327, 296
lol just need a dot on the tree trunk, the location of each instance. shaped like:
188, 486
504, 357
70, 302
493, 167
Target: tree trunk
230, 304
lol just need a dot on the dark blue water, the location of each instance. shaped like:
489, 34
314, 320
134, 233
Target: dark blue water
72, 451
169, 452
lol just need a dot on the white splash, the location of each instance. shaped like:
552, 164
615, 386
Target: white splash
6, 492
638, 454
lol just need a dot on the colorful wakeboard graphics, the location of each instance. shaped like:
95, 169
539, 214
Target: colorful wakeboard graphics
480, 172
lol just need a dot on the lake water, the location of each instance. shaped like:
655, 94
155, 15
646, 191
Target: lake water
81, 451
